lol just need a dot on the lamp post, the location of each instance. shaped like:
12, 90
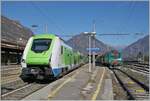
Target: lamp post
90, 34
20, 39
93, 33
34, 27
89, 53
143, 55
45, 28
18, 57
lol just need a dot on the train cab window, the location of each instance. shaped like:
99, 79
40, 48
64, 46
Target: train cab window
40, 45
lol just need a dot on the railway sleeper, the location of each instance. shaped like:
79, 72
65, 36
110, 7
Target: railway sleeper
135, 80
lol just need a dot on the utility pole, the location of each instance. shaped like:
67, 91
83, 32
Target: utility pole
89, 53
34, 28
94, 43
91, 34
143, 54
46, 30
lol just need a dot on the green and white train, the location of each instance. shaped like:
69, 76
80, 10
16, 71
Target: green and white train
47, 56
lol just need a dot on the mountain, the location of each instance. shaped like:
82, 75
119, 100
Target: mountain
141, 46
80, 42
119, 47
12, 31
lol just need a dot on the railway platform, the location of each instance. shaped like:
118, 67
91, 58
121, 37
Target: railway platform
78, 85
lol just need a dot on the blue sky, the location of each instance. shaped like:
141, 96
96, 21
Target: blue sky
76, 17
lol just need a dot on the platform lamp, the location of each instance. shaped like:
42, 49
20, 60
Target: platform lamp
19, 40
34, 27
90, 34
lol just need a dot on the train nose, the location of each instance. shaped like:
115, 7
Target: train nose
115, 62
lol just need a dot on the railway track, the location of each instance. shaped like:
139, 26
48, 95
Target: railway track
11, 78
143, 65
10, 71
140, 69
9, 74
5, 67
8, 87
134, 89
139, 65
21, 92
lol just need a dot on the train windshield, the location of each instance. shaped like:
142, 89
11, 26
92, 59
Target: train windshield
40, 45
115, 54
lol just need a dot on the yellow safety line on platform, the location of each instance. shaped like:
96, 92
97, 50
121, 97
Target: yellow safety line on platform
98, 86
140, 90
52, 94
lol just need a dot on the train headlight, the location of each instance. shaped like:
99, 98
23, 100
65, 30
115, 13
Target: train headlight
23, 63
23, 60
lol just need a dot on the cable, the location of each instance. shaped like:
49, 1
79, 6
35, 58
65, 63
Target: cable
45, 16
131, 8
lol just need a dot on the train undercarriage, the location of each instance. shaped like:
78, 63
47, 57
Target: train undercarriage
32, 73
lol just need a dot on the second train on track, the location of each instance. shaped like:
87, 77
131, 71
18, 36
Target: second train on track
111, 58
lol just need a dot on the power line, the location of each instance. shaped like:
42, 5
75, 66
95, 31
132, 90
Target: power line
66, 35
45, 16
111, 34
131, 8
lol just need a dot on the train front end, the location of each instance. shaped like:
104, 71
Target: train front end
37, 57
115, 58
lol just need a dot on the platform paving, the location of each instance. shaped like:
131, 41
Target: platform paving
78, 85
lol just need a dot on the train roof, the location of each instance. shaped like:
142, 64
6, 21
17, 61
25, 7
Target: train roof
46, 35
43, 35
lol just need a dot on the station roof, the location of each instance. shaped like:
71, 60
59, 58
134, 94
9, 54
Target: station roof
13, 32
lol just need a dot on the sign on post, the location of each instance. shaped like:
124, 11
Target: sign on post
93, 49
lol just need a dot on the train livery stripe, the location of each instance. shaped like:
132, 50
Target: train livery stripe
55, 58
26, 52
27, 48
56, 71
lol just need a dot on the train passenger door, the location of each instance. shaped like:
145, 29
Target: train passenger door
62, 56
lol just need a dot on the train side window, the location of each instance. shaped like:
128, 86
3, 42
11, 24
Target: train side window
61, 49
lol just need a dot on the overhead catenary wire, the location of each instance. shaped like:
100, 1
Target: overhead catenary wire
46, 17
131, 6
124, 25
